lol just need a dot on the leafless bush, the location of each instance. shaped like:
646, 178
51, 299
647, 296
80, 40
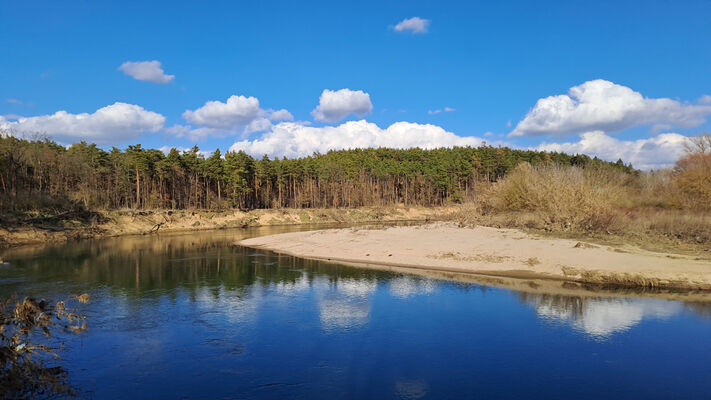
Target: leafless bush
27, 369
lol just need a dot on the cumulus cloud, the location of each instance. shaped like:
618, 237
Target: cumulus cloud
333, 106
236, 111
414, 25
150, 71
237, 115
280, 115
600, 105
108, 125
293, 139
657, 152
705, 99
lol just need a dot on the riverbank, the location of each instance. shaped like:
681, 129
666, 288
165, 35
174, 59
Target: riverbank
494, 252
136, 222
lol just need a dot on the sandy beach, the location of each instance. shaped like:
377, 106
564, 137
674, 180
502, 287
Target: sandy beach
493, 252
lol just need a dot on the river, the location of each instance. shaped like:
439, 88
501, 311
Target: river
194, 316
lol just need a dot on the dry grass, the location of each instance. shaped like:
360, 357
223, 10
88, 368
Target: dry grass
27, 368
564, 196
650, 209
532, 262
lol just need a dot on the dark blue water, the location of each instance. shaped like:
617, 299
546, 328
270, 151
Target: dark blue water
192, 316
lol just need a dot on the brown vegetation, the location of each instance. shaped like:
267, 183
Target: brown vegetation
671, 208
26, 367
693, 174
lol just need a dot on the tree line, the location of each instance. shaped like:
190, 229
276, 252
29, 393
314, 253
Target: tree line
41, 174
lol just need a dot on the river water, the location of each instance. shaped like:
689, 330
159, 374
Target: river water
194, 316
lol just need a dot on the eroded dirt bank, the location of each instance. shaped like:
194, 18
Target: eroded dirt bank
136, 222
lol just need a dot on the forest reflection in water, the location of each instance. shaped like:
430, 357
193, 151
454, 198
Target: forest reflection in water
213, 272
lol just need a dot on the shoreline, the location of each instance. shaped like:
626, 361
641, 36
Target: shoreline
143, 222
493, 253
538, 286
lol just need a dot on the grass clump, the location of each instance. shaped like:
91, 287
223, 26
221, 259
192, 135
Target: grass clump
667, 209
564, 197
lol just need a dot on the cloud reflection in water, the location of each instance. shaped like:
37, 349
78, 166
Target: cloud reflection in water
408, 286
346, 304
602, 317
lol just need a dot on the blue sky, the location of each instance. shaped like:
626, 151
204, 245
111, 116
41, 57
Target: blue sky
647, 66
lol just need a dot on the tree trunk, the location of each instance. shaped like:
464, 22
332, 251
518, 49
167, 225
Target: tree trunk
138, 189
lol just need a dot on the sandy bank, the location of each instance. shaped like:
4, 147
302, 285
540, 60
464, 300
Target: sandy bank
493, 252
139, 222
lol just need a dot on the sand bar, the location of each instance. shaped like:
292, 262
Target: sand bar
492, 252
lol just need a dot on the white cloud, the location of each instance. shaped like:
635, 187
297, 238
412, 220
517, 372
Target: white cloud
705, 99
653, 153
446, 109
414, 25
237, 111
178, 130
108, 125
150, 71
238, 115
14, 101
166, 150
292, 139
192, 133
601, 105
333, 106
280, 115
257, 125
